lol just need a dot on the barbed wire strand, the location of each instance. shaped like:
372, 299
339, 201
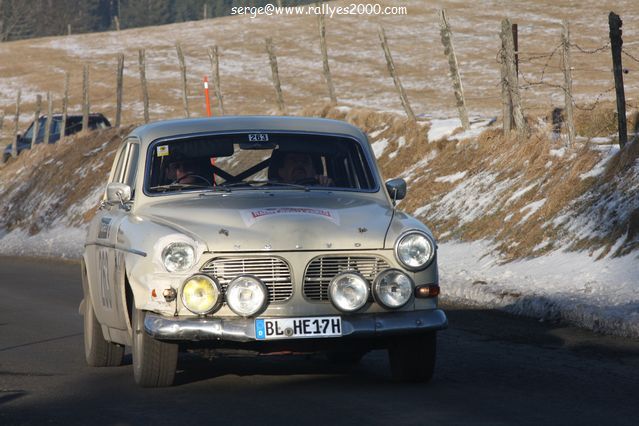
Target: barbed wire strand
590, 51
625, 52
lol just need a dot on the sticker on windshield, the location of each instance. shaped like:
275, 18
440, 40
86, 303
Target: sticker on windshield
251, 216
258, 137
163, 150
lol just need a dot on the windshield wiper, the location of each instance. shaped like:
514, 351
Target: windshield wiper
177, 187
263, 183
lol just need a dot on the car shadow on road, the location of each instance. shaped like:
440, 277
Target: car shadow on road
500, 325
194, 368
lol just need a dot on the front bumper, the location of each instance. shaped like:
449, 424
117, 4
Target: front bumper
243, 329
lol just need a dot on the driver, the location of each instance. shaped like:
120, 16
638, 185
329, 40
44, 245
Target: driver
298, 167
188, 171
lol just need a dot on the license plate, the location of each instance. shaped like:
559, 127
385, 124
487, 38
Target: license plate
296, 328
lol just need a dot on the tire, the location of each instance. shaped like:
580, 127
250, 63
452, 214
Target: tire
412, 358
345, 358
154, 362
97, 351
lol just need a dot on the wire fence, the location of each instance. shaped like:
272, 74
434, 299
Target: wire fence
537, 70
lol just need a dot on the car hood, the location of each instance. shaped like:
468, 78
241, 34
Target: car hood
277, 220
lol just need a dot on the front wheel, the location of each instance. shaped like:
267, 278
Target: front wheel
97, 351
412, 358
154, 362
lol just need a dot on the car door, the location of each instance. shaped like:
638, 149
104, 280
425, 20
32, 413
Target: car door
108, 259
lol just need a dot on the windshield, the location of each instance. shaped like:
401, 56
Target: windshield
277, 161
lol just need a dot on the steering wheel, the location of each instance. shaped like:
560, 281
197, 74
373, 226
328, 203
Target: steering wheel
201, 178
307, 181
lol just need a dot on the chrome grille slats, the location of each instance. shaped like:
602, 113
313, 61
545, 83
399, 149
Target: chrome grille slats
321, 270
274, 272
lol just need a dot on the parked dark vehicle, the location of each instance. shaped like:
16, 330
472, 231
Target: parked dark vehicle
73, 125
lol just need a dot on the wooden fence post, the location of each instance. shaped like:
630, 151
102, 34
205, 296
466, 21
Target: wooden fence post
16, 129
85, 99
185, 95
215, 74
116, 22
393, 73
1, 133
36, 121
506, 104
515, 30
449, 50
324, 49
47, 125
511, 76
205, 12
275, 75
614, 22
118, 94
570, 122
68, 29
65, 107
145, 91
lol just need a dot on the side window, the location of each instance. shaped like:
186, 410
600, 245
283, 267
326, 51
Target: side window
131, 164
119, 165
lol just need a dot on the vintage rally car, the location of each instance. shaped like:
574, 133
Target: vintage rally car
264, 234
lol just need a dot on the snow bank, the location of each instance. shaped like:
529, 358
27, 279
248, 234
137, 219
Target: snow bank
59, 242
602, 296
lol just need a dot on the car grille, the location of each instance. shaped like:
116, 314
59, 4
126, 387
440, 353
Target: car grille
321, 270
274, 272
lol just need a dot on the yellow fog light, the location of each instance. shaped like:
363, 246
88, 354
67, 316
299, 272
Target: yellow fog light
201, 294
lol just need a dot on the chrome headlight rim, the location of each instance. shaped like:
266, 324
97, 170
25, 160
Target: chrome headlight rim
215, 283
375, 288
366, 287
259, 282
172, 245
430, 240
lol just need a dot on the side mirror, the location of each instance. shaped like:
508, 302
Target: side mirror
396, 189
118, 193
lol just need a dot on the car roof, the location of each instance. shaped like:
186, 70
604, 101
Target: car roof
257, 124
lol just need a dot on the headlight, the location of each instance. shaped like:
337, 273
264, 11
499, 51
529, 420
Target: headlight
392, 288
178, 257
415, 250
348, 291
201, 294
246, 295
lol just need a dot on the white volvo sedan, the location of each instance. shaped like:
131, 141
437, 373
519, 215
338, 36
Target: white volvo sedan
263, 234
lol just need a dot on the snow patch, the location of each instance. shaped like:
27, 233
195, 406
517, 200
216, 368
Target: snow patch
442, 128
379, 147
602, 296
452, 178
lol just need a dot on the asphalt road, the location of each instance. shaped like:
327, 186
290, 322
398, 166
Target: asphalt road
492, 369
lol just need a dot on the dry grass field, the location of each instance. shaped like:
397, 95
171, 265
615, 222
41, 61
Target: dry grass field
358, 66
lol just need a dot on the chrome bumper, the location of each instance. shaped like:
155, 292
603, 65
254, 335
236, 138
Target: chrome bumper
243, 329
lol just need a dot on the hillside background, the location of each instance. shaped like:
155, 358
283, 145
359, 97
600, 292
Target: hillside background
534, 225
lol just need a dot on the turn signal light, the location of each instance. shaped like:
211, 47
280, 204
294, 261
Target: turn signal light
426, 291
